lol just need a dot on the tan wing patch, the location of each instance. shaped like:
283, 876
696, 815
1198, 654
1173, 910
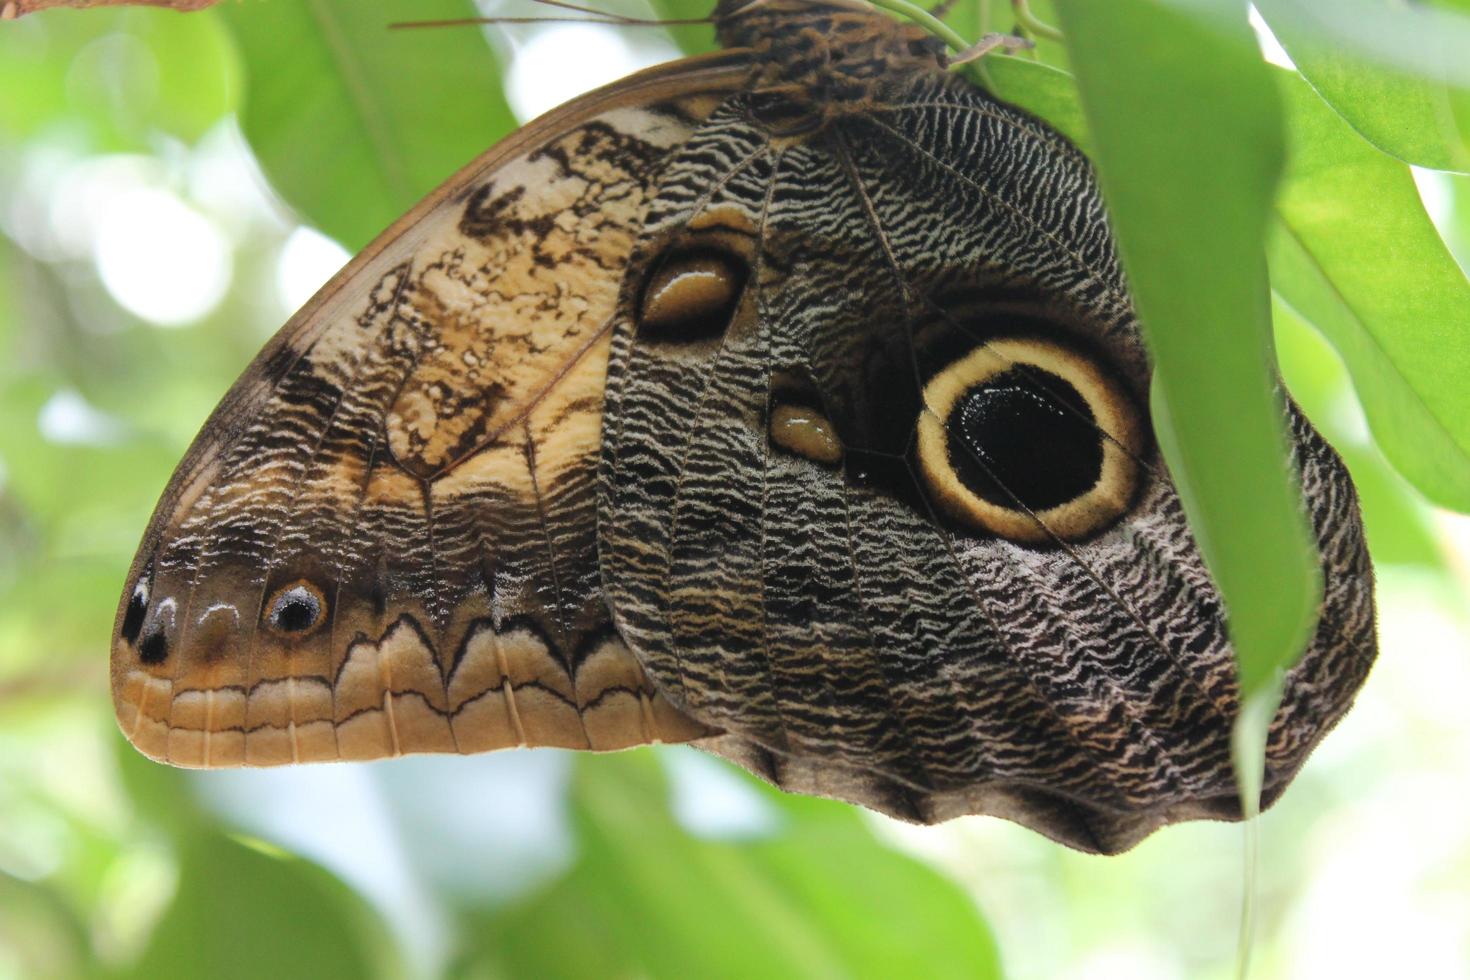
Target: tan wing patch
539, 253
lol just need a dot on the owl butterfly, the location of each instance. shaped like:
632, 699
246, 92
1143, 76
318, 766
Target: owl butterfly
787, 401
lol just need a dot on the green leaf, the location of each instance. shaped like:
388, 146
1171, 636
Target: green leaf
242, 912
818, 898
972, 18
1396, 519
1415, 116
691, 38
353, 122
975, 18
1190, 204
1457, 220
1355, 254
1046, 92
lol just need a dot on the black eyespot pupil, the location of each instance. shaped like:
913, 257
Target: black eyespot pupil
295, 611
153, 649
1024, 435
133, 618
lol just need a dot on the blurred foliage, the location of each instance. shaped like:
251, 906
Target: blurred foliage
389, 115
647, 898
110, 865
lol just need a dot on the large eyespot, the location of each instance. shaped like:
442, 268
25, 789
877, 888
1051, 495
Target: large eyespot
297, 609
691, 295
1031, 441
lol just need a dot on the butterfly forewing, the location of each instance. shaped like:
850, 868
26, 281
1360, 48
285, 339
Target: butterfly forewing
383, 540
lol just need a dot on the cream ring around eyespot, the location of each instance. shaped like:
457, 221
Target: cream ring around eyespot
1114, 413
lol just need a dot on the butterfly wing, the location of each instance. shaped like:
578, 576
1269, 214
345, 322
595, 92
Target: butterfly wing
383, 540
878, 497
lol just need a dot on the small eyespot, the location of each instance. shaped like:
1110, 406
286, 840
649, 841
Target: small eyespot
296, 609
691, 295
132, 622
1030, 440
805, 432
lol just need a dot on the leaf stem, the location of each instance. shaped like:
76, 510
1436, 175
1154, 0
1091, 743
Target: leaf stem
1030, 23
925, 20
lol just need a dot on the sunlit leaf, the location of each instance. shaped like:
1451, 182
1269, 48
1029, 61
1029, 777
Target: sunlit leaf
1356, 255
354, 122
73, 541
1457, 231
1396, 521
1425, 39
1415, 116
818, 898
1190, 205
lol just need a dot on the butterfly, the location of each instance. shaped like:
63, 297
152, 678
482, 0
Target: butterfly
788, 401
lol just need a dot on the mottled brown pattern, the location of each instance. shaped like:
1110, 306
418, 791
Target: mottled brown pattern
657, 424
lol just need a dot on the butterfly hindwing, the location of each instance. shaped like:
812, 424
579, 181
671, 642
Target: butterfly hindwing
806, 553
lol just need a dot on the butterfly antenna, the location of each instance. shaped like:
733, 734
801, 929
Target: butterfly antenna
563, 4
593, 16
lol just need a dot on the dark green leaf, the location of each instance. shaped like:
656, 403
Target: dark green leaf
818, 898
1190, 205
1415, 116
1356, 255
353, 122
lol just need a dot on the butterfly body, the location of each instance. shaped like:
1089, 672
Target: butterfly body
789, 401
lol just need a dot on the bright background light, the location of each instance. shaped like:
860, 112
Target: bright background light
160, 258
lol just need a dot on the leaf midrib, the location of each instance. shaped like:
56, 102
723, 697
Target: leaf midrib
375, 120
